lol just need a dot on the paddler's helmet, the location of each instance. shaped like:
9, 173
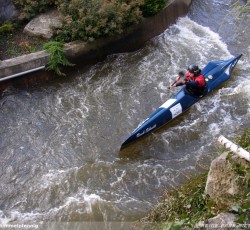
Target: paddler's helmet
193, 69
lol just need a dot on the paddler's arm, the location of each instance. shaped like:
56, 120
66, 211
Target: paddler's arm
178, 81
188, 83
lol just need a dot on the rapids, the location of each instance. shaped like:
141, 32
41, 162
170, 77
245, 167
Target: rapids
60, 158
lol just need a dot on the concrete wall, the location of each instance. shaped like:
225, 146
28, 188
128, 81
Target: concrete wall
82, 52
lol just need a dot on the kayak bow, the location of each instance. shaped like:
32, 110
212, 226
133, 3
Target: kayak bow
215, 73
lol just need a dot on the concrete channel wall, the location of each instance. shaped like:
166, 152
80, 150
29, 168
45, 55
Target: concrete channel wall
33, 65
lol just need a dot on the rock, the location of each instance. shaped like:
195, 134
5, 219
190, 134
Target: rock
42, 25
7, 11
222, 180
222, 221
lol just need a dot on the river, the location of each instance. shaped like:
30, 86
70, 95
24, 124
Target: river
60, 143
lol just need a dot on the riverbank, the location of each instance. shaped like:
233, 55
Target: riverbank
193, 205
17, 43
59, 141
82, 53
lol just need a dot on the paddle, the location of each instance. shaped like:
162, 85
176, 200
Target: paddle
181, 74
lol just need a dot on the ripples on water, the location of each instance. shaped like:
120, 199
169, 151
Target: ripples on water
60, 144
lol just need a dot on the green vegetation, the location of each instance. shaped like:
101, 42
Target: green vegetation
244, 139
13, 42
84, 20
239, 10
243, 9
57, 57
188, 205
88, 20
150, 8
183, 206
6, 28
31, 8
242, 202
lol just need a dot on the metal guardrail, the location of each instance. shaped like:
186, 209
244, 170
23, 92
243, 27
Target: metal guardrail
21, 73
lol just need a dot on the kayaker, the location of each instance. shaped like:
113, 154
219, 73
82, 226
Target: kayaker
194, 81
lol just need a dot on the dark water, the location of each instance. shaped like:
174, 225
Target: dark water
60, 144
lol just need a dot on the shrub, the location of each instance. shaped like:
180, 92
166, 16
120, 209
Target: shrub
6, 28
30, 8
57, 57
90, 19
150, 8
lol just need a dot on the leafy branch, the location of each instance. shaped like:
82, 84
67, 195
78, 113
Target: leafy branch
57, 57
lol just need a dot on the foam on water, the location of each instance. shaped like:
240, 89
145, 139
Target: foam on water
66, 166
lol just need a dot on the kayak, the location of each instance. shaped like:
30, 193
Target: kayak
215, 73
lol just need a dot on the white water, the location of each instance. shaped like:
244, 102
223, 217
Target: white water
60, 144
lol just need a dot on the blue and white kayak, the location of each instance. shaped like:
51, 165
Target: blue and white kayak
215, 73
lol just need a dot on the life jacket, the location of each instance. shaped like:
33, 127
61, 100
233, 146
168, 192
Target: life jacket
200, 79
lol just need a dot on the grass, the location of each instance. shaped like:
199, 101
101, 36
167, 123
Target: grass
184, 205
15, 42
244, 139
188, 205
